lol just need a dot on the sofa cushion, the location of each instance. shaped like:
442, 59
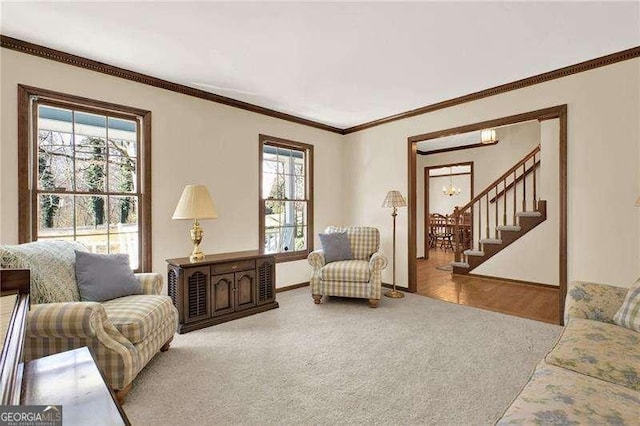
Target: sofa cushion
136, 317
601, 350
629, 313
52, 265
364, 240
346, 271
561, 397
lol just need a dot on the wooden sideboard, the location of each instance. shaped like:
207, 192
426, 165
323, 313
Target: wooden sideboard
221, 288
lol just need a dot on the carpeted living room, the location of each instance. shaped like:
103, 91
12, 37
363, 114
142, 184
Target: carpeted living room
218, 212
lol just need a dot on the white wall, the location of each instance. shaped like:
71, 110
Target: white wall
199, 141
489, 163
534, 257
194, 141
603, 166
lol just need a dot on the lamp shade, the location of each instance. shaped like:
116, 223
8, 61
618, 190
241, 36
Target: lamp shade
195, 203
394, 199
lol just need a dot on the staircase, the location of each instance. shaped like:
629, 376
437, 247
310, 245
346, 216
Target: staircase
499, 215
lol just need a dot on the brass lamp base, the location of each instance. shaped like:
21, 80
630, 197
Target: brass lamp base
394, 294
196, 257
196, 234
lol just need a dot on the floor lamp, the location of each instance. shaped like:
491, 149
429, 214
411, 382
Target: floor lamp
394, 199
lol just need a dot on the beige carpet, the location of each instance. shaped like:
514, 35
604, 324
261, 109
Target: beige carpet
411, 361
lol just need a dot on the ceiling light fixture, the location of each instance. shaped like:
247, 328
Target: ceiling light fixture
451, 190
488, 136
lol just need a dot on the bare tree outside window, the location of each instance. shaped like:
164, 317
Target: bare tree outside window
87, 174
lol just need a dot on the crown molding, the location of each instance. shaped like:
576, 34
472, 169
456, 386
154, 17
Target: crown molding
81, 62
602, 61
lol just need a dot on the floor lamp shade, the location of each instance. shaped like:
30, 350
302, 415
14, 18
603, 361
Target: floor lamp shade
394, 199
195, 203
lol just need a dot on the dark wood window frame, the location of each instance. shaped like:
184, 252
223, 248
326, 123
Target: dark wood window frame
27, 201
288, 144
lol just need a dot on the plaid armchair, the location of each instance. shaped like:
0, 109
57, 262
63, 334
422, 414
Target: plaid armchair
360, 277
123, 334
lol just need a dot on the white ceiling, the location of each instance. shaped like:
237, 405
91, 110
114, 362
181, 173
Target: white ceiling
337, 63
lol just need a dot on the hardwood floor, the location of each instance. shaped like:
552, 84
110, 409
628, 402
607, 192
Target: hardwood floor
522, 300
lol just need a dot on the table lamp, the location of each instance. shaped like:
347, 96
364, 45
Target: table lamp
195, 203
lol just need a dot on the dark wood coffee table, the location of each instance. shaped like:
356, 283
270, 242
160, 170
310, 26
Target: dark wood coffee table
72, 379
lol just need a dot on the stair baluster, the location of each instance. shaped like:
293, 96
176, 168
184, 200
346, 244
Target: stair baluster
524, 186
479, 234
496, 222
535, 202
456, 232
504, 203
487, 228
515, 181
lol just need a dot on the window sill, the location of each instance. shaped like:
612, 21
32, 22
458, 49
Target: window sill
290, 257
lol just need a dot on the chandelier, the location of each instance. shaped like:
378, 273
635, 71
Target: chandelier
451, 190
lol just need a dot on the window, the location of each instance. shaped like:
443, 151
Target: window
85, 164
286, 198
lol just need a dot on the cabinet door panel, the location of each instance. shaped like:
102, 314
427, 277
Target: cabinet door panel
266, 280
222, 299
245, 289
196, 299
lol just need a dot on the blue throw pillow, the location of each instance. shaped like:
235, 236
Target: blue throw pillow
336, 246
102, 277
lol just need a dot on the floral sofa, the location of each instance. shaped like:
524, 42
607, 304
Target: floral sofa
123, 334
592, 375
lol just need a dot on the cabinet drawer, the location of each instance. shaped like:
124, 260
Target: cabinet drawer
225, 268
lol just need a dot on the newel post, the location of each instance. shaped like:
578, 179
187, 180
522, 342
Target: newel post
456, 232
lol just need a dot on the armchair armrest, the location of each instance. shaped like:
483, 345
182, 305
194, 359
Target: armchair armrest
378, 261
151, 282
316, 259
65, 320
598, 302
58, 327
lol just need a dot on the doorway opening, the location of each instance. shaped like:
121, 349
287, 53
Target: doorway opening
446, 186
501, 241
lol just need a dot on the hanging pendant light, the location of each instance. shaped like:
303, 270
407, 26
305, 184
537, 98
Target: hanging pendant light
451, 190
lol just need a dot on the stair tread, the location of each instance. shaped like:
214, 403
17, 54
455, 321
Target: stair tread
529, 214
508, 227
474, 253
460, 264
491, 241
